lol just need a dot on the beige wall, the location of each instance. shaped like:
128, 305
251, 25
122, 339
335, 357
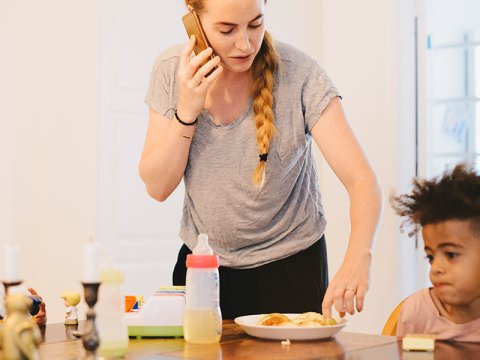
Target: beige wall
48, 139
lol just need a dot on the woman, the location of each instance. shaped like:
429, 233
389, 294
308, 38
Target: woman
241, 140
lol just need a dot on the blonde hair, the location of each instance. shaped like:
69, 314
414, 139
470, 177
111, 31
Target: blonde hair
73, 298
262, 74
196, 5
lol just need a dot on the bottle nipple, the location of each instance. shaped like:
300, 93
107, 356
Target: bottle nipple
202, 247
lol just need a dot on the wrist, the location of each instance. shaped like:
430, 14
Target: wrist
359, 252
186, 118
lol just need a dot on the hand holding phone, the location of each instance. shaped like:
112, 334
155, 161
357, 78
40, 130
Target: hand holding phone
194, 27
193, 89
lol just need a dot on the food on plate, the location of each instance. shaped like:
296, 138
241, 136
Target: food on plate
275, 319
313, 319
305, 319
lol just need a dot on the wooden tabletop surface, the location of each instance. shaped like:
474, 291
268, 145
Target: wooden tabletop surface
235, 344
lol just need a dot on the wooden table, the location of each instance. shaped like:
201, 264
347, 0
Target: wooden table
235, 344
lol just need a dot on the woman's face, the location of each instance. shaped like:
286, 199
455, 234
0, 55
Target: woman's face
235, 30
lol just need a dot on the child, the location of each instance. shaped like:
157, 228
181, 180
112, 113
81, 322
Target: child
448, 210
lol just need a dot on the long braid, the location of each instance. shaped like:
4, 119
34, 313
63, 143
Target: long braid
262, 73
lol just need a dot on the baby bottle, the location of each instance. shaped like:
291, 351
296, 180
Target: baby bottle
202, 323
112, 327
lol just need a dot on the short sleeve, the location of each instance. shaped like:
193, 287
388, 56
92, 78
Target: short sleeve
317, 92
162, 89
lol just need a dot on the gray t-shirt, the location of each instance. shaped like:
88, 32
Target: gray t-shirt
250, 226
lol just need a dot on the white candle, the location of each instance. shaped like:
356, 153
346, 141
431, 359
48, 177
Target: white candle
12, 263
91, 263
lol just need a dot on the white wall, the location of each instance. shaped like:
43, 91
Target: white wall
49, 146
48, 139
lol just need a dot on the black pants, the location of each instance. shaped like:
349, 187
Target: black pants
295, 284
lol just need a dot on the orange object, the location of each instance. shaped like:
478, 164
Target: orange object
130, 300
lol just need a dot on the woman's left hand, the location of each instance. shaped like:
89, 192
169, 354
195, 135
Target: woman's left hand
346, 292
343, 153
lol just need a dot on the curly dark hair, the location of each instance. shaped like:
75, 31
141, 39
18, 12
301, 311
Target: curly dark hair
453, 196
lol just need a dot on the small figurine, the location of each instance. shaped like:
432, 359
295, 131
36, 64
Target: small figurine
21, 335
38, 309
72, 299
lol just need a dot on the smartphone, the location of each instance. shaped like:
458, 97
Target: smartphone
194, 27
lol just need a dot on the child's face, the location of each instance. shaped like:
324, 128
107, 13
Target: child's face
453, 250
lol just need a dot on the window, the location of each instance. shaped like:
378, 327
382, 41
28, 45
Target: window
448, 85
451, 133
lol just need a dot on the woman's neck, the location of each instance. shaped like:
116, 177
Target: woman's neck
231, 87
228, 78
228, 97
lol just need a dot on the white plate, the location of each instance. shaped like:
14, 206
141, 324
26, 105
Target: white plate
249, 324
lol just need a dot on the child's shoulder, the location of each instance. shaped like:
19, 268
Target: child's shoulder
420, 300
420, 294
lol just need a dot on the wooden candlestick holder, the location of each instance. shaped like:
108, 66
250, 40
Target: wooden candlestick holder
90, 338
8, 284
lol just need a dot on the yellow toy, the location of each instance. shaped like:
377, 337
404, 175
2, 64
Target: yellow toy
72, 299
21, 335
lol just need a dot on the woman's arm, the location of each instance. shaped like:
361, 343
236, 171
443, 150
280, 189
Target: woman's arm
165, 155
342, 152
167, 142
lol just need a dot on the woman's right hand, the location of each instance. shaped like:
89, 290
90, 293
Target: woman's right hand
194, 83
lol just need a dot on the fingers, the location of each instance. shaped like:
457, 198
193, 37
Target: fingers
360, 298
327, 305
344, 300
349, 300
204, 71
196, 74
202, 67
32, 291
339, 300
187, 51
185, 59
193, 65
346, 293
